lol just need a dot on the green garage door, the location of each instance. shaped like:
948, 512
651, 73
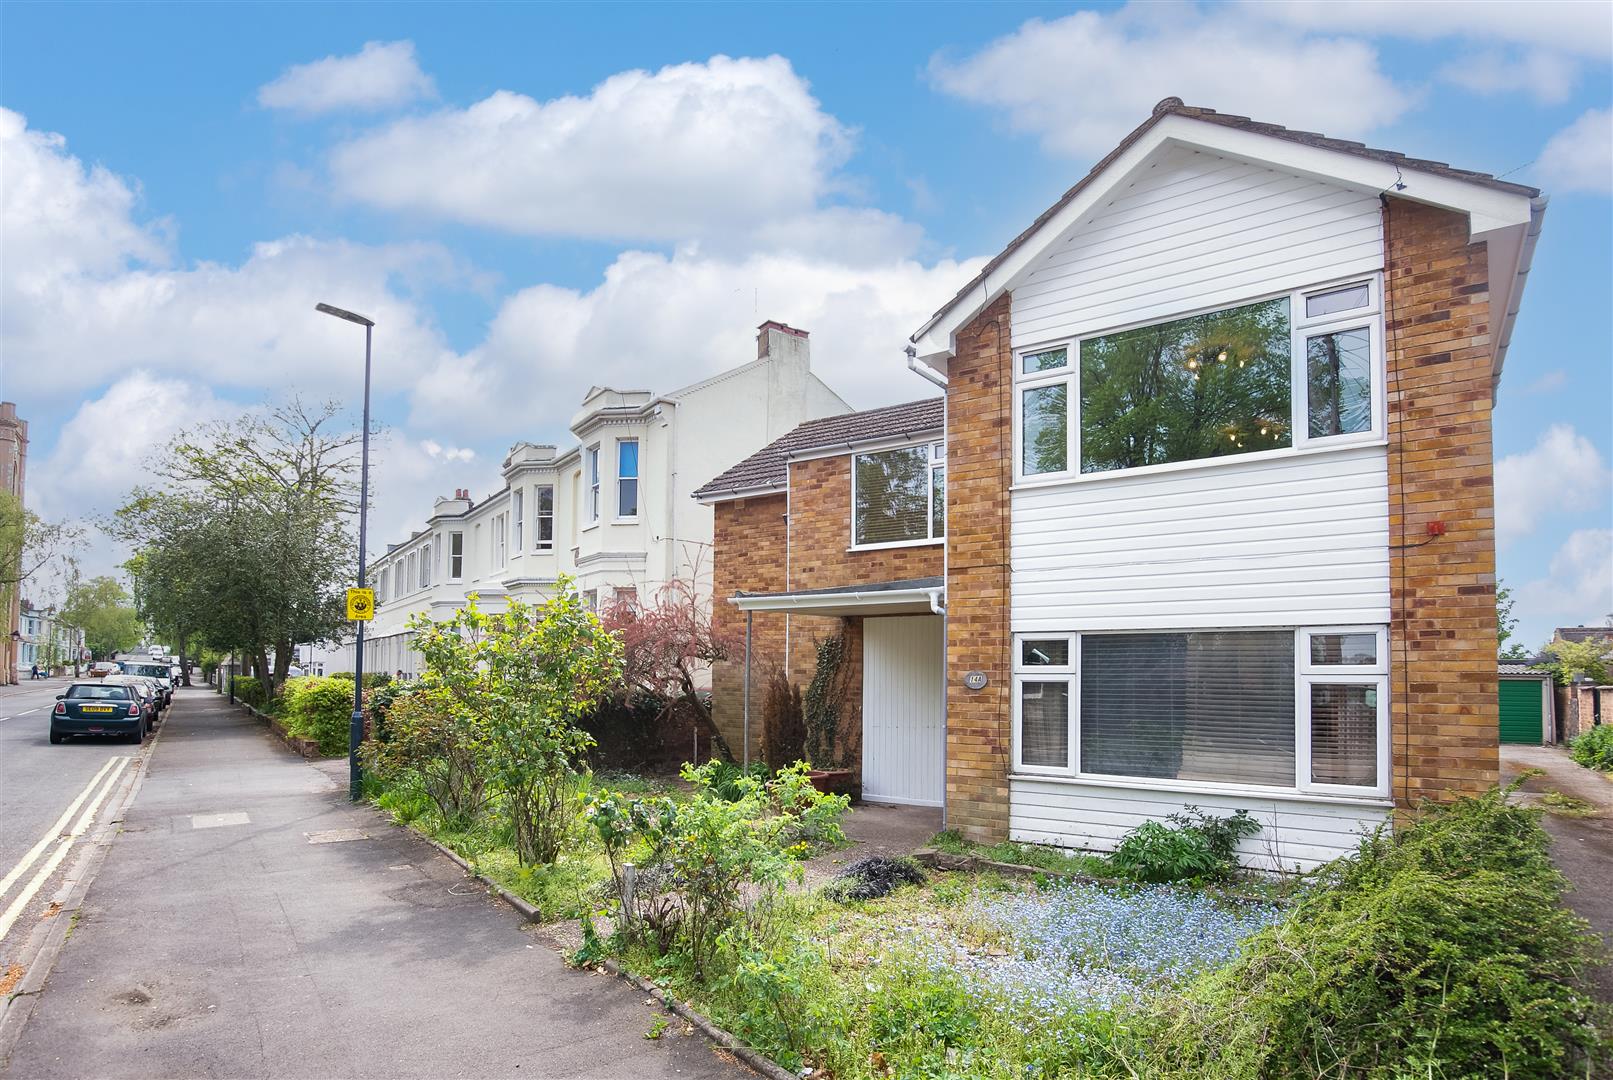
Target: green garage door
1520, 711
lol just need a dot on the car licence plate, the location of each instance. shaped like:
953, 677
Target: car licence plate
95, 708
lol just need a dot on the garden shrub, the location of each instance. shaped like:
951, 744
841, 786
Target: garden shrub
248, 690
1594, 748
320, 710
1194, 846
704, 855
627, 731
1438, 950
783, 726
824, 704
725, 777
432, 740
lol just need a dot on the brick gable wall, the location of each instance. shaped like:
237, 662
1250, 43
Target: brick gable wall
1443, 682
979, 471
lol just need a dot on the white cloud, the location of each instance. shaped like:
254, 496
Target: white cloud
1580, 157
1548, 77
87, 292
1548, 382
691, 150
1563, 473
379, 76
1080, 83
436, 451
659, 322
1575, 26
1578, 589
408, 473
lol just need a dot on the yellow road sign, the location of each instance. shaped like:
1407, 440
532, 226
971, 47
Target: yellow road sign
361, 604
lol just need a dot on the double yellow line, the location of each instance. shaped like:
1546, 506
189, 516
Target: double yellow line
62, 837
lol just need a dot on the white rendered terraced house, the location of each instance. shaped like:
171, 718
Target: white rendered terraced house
613, 510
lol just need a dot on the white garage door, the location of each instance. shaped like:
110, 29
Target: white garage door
903, 714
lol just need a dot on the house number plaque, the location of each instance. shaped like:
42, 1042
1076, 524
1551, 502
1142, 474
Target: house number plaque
975, 680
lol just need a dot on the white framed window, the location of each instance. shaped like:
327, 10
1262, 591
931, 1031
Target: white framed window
425, 567
1302, 710
413, 570
518, 519
592, 457
543, 517
456, 556
501, 538
1266, 375
898, 496
381, 586
627, 469
1342, 701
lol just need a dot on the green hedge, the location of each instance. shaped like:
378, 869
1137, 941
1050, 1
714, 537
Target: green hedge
372, 679
249, 690
320, 709
1594, 748
1440, 950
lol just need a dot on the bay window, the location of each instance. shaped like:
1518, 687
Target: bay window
1288, 371
591, 456
1300, 710
899, 496
456, 556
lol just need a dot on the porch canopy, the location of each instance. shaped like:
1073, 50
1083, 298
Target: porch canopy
914, 596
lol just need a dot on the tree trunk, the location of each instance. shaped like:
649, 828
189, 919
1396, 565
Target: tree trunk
705, 720
283, 653
184, 666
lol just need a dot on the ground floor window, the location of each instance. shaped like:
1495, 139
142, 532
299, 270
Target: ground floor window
1292, 708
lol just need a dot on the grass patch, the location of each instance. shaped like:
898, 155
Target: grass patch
1040, 856
1562, 805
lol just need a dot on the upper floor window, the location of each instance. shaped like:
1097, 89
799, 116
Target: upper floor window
501, 539
543, 516
518, 518
1216, 384
456, 556
381, 587
627, 478
899, 496
593, 483
413, 568
425, 566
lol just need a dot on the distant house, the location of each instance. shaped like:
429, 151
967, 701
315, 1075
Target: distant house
1204, 515
612, 510
1581, 706
45, 640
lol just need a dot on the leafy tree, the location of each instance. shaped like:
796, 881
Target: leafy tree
668, 646
1506, 625
103, 610
525, 676
28, 545
1571, 658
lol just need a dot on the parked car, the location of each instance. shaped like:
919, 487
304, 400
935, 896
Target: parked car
157, 672
175, 674
102, 668
150, 691
100, 708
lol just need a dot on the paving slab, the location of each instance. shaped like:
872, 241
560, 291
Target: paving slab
218, 941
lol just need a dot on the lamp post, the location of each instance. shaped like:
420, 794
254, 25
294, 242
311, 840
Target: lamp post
355, 730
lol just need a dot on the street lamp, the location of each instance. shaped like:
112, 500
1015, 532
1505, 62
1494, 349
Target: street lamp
355, 730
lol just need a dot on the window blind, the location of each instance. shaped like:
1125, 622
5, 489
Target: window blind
893, 502
1213, 706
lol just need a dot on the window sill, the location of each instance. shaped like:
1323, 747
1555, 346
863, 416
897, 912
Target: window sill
624, 521
1051, 480
936, 542
589, 528
1195, 788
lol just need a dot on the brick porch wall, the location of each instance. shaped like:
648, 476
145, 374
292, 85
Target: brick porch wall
979, 471
1443, 682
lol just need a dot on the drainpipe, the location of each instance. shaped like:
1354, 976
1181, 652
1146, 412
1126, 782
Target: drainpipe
929, 374
749, 619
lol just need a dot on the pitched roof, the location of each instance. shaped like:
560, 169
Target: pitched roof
1173, 106
768, 468
1583, 633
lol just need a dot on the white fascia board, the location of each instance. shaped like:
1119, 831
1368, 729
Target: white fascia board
916, 437
1488, 209
736, 494
927, 599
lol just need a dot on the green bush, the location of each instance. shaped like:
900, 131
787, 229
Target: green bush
1439, 950
1194, 846
248, 690
1594, 748
319, 709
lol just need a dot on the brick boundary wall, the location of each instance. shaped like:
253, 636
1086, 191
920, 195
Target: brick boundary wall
980, 445
1444, 708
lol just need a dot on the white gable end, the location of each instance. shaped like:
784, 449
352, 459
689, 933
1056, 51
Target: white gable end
1193, 230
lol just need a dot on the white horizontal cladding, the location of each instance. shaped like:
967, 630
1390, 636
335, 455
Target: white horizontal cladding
1295, 834
1195, 231
1284, 541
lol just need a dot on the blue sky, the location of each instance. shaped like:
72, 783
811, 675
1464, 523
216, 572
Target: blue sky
533, 198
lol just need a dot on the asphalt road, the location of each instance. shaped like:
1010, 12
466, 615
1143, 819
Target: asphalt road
39, 785
248, 921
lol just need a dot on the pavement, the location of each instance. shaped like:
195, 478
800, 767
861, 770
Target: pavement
1582, 847
250, 922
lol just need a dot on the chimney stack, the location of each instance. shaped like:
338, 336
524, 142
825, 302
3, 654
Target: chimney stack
778, 341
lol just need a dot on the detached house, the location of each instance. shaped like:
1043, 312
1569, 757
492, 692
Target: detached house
1203, 516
